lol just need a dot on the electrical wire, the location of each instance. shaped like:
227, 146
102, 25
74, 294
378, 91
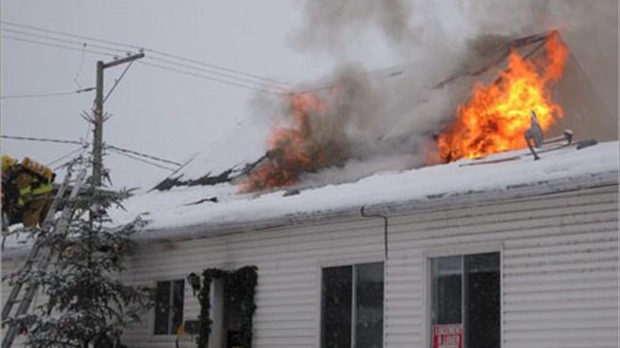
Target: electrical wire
46, 37
112, 147
151, 50
45, 30
267, 79
153, 65
213, 72
63, 157
140, 160
45, 140
79, 71
210, 78
44, 95
83, 44
57, 46
84, 145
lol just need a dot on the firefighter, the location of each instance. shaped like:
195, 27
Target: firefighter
27, 189
7, 191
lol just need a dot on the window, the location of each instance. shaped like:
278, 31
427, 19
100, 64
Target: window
352, 306
169, 306
465, 301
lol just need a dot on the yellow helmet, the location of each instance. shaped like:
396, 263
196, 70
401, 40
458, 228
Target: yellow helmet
8, 162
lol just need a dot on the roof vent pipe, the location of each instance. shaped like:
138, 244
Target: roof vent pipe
385, 228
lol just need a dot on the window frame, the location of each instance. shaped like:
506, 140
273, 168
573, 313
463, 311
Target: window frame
152, 322
459, 250
350, 261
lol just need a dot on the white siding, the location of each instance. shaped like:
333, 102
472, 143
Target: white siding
560, 267
559, 275
288, 262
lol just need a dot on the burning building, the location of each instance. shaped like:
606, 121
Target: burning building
491, 97
511, 253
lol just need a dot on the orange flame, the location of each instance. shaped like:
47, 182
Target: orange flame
292, 150
496, 116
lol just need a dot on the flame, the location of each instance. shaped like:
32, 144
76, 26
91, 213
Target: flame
293, 150
497, 115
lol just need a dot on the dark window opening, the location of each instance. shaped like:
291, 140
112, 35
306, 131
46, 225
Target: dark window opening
168, 307
352, 306
232, 316
465, 301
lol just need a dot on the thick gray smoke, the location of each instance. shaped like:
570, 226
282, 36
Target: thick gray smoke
333, 24
386, 120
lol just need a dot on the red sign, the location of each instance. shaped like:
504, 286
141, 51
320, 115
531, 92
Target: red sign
448, 336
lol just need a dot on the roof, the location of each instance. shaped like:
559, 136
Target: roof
201, 211
220, 206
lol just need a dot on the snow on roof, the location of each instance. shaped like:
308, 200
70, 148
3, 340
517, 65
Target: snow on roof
191, 206
191, 212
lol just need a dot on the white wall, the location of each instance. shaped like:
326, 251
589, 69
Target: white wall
559, 269
559, 254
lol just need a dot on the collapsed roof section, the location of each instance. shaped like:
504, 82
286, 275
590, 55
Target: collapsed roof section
236, 153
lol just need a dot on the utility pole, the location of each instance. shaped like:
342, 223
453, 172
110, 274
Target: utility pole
98, 117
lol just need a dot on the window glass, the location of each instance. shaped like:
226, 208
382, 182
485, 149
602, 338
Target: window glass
169, 297
483, 300
352, 306
177, 305
446, 289
336, 305
232, 317
162, 308
369, 305
465, 301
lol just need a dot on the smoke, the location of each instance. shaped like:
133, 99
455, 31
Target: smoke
387, 120
333, 24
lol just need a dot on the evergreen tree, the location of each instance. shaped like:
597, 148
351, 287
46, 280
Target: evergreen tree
87, 303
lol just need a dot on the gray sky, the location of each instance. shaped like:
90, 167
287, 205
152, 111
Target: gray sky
171, 115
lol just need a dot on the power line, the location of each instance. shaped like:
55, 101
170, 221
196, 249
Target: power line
283, 85
155, 65
210, 78
63, 157
84, 44
212, 72
141, 154
141, 160
68, 34
141, 48
63, 40
79, 70
58, 46
45, 140
83, 144
43, 95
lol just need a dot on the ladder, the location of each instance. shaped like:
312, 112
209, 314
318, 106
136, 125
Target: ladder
41, 255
